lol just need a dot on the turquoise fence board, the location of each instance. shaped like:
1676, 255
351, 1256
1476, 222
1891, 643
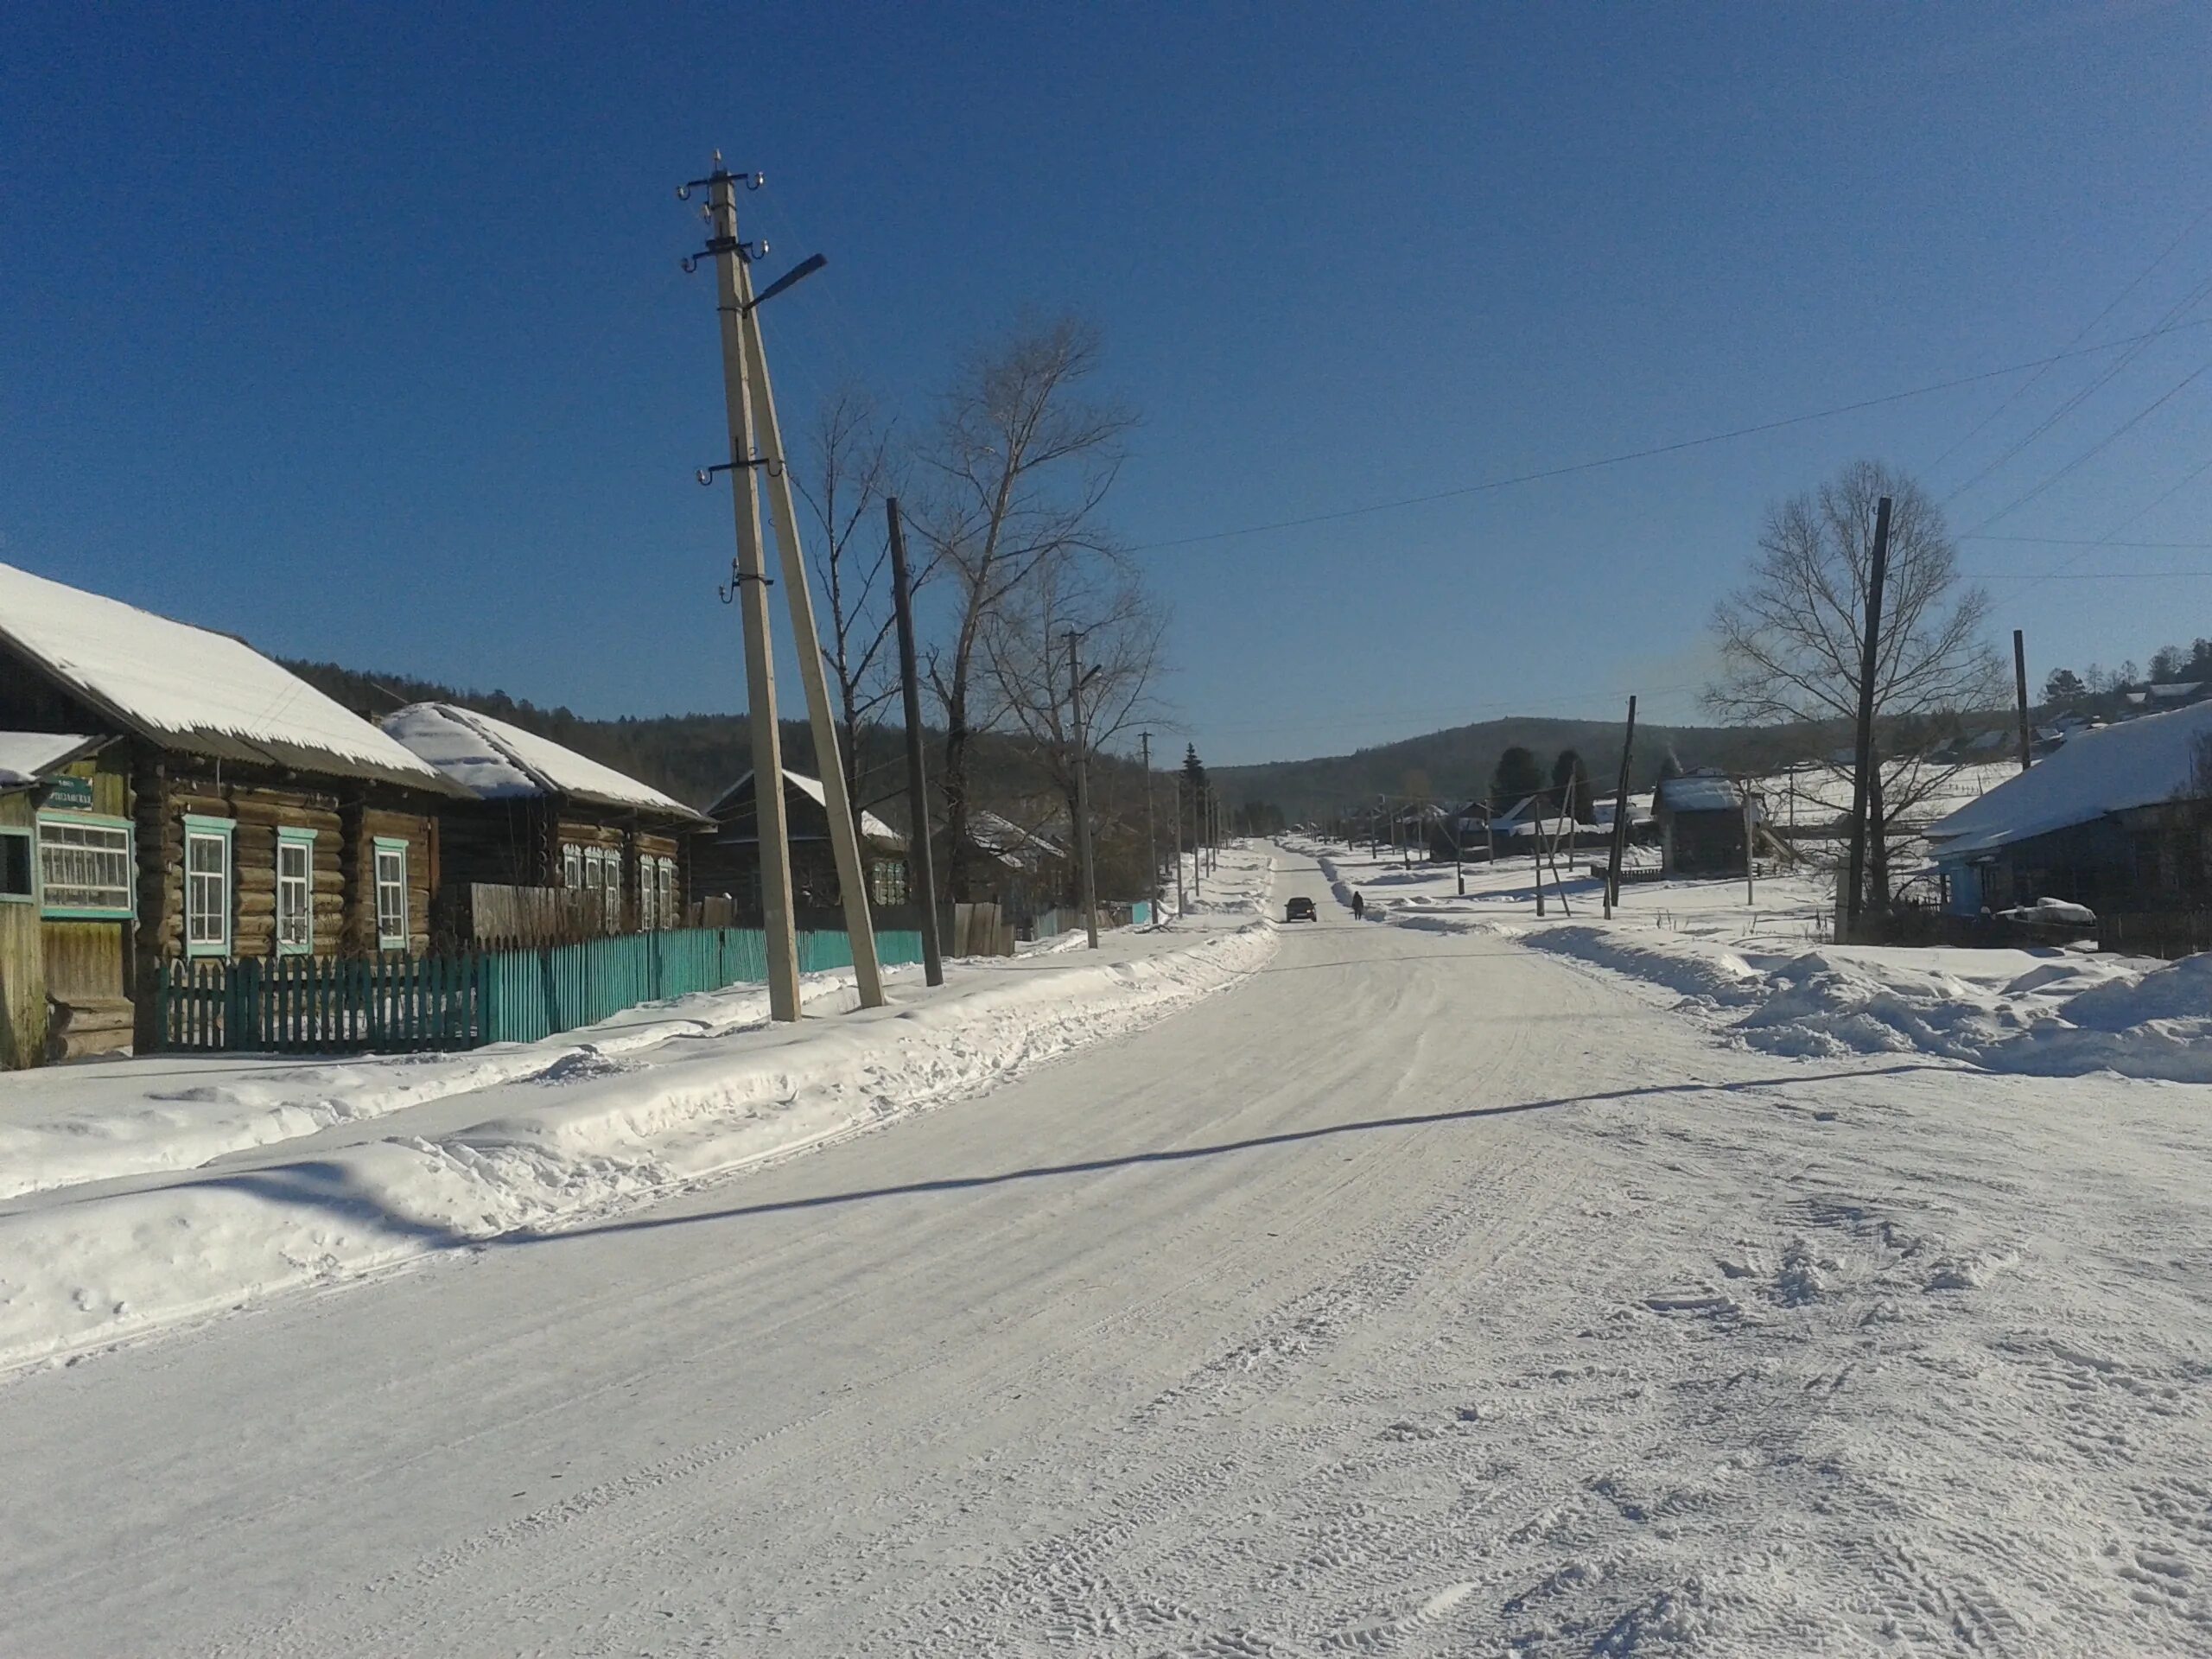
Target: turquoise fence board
395, 1003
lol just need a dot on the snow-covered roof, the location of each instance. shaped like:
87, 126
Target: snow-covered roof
1699, 792
1008, 839
2137, 763
871, 826
25, 757
191, 689
495, 761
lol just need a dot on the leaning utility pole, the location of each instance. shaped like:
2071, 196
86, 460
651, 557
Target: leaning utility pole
1082, 794
798, 600
1863, 755
751, 579
1151, 834
920, 858
2020, 691
1618, 850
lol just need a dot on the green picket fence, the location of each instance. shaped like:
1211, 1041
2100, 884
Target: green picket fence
397, 1003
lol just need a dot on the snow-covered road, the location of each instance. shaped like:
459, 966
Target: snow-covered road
1422, 1294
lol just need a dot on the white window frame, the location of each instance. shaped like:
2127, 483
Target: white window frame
572, 866
665, 886
217, 833
393, 847
610, 891
648, 894
117, 841
290, 840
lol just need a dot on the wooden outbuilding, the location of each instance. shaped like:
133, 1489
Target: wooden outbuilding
228, 809
549, 844
1700, 816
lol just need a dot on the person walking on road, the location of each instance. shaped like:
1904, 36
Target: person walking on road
1358, 906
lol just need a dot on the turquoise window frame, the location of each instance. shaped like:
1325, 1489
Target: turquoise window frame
66, 817
30, 837
288, 837
383, 844
225, 830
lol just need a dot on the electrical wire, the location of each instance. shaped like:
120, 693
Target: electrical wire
2034, 380
1676, 447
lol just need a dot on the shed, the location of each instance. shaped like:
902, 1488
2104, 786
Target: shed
2114, 820
1701, 820
229, 811
550, 843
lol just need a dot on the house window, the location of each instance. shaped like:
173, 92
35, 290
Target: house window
84, 867
294, 892
888, 881
665, 879
572, 866
392, 893
16, 879
611, 891
648, 894
207, 885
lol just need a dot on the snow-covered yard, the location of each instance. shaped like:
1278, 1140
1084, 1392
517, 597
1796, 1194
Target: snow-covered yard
133, 1193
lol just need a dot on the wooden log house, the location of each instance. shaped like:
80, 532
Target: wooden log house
549, 844
220, 808
728, 862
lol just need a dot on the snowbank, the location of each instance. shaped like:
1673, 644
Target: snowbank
599, 1126
2044, 1013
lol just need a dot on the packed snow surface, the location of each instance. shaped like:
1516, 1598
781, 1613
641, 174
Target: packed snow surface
1418, 1294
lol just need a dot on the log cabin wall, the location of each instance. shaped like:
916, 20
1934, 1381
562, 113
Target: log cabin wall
23, 956
366, 824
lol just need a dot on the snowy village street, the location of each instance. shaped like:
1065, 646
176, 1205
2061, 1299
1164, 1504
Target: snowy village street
1421, 1292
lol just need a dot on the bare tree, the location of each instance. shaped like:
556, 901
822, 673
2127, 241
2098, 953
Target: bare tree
1102, 599
849, 467
1024, 460
1790, 640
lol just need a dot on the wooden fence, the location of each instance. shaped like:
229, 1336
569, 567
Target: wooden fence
397, 1003
2168, 933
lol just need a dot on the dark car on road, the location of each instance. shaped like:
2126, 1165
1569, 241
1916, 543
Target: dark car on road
1299, 910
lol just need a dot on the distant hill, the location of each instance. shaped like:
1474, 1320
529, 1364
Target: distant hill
1458, 762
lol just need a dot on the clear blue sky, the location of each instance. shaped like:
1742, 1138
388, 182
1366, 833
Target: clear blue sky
359, 331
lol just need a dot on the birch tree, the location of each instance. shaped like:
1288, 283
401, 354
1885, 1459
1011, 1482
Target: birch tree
1790, 640
1023, 459
849, 467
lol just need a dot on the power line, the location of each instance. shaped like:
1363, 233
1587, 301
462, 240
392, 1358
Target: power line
2088, 541
2034, 380
1662, 449
2099, 448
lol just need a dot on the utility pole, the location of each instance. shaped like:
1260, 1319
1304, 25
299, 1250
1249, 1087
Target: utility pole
917, 793
1197, 839
751, 579
1618, 850
2020, 691
1751, 852
1862, 758
1151, 834
1179, 907
798, 600
1082, 792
